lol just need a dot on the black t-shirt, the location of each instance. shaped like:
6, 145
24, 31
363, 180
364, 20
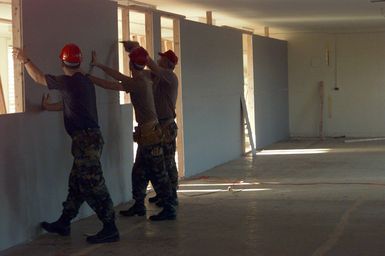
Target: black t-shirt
79, 101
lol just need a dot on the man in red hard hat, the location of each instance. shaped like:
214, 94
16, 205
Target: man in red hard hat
149, 161
165, 95
86, 181
165, 86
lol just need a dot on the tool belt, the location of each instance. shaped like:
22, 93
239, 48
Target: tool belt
148, 134
169, 129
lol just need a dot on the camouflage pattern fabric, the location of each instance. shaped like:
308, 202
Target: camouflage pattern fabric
149, 162
86, 182
169, 149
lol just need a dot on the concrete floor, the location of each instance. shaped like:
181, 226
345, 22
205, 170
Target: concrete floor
299, 198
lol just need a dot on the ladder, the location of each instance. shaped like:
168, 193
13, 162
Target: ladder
245, 118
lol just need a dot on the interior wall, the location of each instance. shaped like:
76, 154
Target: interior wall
356, 67
92, 25
35, 153
271, 90
35, 161
212, 78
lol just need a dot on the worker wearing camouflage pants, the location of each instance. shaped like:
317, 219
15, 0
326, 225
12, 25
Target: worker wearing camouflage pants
165, 90
148, 134
149, 163
86, 182
165, 96
170, 130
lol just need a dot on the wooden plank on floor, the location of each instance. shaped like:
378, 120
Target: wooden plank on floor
322, 99
209, 17
267, 32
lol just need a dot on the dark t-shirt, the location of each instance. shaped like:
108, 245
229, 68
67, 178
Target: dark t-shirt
79, 101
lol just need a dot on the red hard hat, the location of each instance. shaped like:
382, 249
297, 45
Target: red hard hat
171, 56
139, 56
71, 55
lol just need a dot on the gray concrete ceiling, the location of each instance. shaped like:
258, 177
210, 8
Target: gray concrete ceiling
283, 15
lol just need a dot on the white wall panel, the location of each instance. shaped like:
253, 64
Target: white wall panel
212, 78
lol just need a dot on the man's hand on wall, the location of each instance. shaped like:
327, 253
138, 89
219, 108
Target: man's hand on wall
19, 54
46, 104
94, 61
45, 101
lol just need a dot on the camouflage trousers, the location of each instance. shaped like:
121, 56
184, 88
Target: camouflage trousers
149, 163
86, 181
169, 149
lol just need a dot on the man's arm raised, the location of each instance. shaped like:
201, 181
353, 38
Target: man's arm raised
109, 85
109, 71
36, 74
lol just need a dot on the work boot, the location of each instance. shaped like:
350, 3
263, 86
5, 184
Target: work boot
168, 213
62, 226
108, 234
137, 209
154, 199
173, 202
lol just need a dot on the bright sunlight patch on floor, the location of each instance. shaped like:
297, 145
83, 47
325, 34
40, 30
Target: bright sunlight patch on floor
222, 190
218, 184
239, 186
294, 151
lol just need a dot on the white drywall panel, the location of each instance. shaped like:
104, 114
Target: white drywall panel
271, 90
35, 151
212, 79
